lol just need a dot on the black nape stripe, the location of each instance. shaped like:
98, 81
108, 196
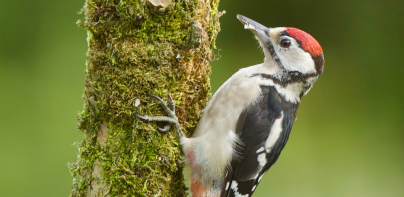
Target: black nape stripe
319, 63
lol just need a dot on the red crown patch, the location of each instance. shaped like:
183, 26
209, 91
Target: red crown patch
309, 44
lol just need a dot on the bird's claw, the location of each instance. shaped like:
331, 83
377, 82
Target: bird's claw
165, 129
170, 118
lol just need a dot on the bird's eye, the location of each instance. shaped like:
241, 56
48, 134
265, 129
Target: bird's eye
285, 43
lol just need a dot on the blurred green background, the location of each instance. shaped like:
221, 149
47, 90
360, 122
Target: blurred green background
348, 139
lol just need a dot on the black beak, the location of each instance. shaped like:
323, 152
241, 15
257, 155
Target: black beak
260, 31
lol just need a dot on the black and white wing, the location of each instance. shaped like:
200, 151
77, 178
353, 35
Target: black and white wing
263, 130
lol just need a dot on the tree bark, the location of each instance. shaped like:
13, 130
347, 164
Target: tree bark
137, 48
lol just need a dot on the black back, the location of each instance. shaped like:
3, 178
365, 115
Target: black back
253, 128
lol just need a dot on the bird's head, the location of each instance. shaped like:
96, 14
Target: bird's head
290, 52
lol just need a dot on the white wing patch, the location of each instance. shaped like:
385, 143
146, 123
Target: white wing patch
260, 150
274, 134
234, 185
262, 160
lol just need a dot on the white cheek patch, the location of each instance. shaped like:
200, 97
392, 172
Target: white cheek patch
294, 58
291, 92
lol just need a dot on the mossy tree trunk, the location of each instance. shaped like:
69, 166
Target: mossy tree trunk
137, 48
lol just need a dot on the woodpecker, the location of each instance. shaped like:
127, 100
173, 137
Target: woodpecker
247, 122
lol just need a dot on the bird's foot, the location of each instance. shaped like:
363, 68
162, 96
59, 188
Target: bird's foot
170, 118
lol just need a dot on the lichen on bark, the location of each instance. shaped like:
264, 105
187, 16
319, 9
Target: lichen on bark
135, 49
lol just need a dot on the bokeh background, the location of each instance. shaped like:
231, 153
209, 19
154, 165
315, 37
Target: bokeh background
348, 140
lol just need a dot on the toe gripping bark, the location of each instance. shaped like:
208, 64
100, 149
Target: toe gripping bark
170, 118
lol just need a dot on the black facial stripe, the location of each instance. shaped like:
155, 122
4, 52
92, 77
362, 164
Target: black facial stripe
288, 78
274, 56
296, 76
266, 76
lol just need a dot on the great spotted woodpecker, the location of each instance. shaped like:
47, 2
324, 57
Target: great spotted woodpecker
247, 122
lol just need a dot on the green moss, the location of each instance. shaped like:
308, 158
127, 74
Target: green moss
136, 49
